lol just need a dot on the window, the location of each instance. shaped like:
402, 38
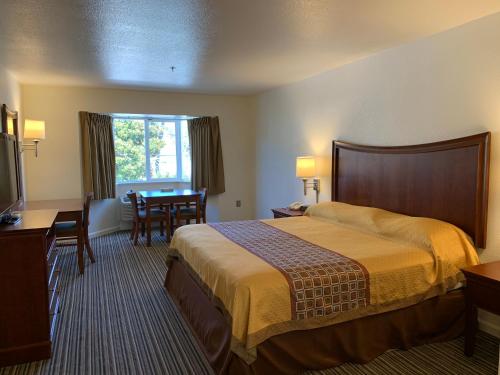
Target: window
151, 149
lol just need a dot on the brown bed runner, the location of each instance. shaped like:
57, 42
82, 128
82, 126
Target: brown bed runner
322, 282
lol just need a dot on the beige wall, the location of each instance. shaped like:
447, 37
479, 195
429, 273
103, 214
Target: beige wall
437, 88
10, 92
57, 171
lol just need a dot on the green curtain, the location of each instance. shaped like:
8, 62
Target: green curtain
98, 155
207, 167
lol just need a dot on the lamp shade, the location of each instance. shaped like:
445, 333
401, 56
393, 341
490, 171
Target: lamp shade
305, 167
34, 129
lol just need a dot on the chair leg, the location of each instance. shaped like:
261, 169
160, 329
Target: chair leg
136, 234
172, 225
169, 228
188, 221
161, 228
80, 245
177, 220
132, 231
148, 232
143, 229
90, 253
86, 240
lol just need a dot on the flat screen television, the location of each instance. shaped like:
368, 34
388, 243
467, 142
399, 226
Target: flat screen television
9, 187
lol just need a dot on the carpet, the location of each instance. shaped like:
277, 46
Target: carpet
118, 319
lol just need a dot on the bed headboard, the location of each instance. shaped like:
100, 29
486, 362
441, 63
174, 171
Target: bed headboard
443, 180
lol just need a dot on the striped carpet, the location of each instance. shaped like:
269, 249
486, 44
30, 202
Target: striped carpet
117, 319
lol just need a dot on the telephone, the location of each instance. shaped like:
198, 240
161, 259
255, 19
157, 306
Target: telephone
295, 206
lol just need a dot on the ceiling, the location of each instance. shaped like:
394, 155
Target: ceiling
216, 46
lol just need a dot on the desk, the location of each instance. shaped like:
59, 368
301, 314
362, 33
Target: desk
158, 197
68, 210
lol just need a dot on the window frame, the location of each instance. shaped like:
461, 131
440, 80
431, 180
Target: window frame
178, 147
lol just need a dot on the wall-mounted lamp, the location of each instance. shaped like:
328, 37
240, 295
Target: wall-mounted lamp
35, 130
306, 169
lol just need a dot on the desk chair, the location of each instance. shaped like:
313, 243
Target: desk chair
140, 217
69, 231
186, 211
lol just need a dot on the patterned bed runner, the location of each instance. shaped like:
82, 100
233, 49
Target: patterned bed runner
322, 282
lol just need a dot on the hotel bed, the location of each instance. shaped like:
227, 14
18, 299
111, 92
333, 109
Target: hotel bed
376, 268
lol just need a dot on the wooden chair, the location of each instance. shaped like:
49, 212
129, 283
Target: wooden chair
140, 218
70, 231
185, 211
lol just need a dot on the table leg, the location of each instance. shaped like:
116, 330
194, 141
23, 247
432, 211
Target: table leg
167, 220
148, 225
198, 211
79, 243
470, 323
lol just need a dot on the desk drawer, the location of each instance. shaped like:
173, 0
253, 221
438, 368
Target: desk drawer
53, 315
52, 253
53, 280
53, 293
51, 240
52, 269
484, 295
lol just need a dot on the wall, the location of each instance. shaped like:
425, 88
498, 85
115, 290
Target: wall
10, 92
437, 88
56, 173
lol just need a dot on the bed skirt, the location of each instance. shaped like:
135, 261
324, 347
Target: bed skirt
361, 340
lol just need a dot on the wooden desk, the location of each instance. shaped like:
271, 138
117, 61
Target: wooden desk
483, 290
167, 198
68, 210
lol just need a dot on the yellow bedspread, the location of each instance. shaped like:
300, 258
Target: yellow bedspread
408, 260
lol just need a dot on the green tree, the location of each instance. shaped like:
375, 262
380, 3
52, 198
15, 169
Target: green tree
130, 148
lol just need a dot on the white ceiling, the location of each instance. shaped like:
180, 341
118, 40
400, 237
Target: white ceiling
217, 46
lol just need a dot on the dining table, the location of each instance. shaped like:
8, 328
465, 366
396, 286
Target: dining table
167, 198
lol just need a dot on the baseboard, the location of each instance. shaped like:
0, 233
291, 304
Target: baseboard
103, 232
489, 327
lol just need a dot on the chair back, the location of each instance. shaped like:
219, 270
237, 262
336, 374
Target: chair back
86, 209
203, 198
133, 202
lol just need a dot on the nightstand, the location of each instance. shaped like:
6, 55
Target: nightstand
483, 291
286, 212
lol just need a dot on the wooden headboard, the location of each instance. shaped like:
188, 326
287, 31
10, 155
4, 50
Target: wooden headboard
443, 180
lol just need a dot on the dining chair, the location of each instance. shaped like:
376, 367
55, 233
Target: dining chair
69, 230
186, 211
140, 218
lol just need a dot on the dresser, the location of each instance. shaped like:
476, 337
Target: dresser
29, 300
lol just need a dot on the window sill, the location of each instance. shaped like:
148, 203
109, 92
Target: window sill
153, 182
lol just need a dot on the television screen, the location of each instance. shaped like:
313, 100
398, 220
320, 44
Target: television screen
8, 174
